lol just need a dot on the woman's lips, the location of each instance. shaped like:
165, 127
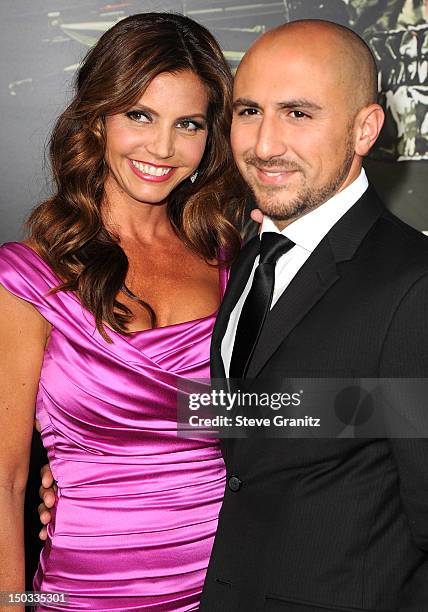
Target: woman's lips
151, 172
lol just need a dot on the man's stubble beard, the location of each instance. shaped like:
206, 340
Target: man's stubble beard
308, 198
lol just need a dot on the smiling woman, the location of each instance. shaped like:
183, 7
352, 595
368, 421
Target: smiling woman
109, 303
156, 145
174, 66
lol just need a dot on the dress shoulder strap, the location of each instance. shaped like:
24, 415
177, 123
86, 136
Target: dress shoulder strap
27, 276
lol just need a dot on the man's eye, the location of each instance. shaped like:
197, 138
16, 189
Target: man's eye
139, 116
298, 114
249, 112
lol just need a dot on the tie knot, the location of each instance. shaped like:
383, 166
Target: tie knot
272, 246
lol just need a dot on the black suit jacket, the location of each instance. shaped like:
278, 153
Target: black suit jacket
331, 524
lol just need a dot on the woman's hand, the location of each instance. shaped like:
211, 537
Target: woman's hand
47, 494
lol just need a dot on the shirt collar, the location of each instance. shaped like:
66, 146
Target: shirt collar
309, 230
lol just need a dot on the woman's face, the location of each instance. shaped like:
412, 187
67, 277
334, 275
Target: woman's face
160, 141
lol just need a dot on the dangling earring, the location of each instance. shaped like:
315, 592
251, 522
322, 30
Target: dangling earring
194, 176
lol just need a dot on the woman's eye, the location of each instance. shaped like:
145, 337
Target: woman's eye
139, 116
190, 125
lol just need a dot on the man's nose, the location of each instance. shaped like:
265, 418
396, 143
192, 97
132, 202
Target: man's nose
270, 138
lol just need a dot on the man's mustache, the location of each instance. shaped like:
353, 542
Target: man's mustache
277, 163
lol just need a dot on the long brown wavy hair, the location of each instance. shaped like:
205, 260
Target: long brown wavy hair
67, 229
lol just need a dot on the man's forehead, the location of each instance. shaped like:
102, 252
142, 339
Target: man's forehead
270, 73
264, 82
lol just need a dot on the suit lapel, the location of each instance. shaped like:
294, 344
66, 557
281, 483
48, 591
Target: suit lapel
315, 277
239, 274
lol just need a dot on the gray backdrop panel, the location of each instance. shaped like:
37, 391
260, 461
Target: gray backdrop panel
43, 40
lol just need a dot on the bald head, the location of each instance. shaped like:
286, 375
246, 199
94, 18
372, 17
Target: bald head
345, 58
305, 115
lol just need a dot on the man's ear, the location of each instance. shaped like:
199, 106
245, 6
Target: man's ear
368, 124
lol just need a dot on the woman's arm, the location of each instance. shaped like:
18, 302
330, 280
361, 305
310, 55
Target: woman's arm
23, 337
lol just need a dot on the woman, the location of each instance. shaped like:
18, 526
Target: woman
107, 305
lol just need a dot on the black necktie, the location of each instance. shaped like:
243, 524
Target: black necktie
257, 302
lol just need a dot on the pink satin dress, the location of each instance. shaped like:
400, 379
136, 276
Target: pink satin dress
137, 505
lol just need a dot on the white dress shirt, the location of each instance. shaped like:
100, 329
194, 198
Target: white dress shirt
306, 233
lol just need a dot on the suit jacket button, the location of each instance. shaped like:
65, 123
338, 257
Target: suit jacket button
234, 483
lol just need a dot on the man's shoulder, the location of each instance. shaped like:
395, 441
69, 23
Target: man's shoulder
395, 253
403, 229
404, 240
382, 246
390, 231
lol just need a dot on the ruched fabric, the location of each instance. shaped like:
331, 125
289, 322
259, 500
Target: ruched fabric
137, 506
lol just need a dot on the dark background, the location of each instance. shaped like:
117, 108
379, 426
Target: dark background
42, 41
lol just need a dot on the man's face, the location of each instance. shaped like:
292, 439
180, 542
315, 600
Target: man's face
292, 133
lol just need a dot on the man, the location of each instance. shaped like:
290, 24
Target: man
315, 525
